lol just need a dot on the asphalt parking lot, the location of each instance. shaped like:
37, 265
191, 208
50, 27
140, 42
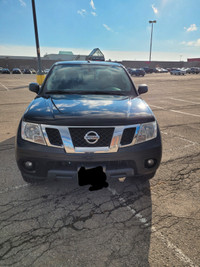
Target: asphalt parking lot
130, 223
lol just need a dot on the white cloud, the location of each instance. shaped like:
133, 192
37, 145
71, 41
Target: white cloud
155, 10
94, 13
107, 28
192, 43
92, 4
192, 28
22, 3
82, 12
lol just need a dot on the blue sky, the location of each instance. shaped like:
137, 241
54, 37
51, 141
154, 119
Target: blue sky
120, 28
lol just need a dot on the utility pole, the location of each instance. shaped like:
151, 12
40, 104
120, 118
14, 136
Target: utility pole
151, 22
40, 76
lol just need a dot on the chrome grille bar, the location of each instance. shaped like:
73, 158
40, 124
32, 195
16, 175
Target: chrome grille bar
69, 147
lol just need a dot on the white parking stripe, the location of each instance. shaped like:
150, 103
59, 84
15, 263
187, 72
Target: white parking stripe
157, 107
191, 143
185, 113
4, 86
187, 101
176, 111
179, 254
174, 248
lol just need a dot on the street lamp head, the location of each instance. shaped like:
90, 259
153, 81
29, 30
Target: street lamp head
152, 21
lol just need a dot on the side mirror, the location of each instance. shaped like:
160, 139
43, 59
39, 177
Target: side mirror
142, 89
34, 87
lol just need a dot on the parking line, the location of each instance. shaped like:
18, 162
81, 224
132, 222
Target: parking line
176, 111
178, 252
157, 107
191, 143
187, 101
4, 86
185, 113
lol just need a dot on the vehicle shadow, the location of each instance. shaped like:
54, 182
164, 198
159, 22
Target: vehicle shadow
135, 196
7, 144
59, 223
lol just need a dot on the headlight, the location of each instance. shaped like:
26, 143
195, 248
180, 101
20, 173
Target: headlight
32, 132
146, 132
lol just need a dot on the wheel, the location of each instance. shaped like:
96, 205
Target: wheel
31, 180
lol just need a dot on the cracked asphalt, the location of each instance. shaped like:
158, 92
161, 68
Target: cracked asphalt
130, 223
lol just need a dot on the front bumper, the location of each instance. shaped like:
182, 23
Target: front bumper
51, 162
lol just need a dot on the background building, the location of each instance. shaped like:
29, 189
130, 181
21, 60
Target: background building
48, 60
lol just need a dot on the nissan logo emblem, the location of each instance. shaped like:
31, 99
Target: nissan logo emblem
91, 137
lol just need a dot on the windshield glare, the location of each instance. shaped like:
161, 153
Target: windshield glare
88, 78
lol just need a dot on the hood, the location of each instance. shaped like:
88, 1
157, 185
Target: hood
86, 110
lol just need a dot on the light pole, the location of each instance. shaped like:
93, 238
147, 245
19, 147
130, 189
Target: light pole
40, 76
151, 22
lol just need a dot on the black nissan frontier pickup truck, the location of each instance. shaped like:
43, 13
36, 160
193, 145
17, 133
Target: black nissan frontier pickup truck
87, 114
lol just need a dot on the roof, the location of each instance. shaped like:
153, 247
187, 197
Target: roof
96, 52
65, 53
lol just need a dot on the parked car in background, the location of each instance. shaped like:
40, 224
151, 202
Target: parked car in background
177, 72
148, 70
46, 71
157, 70
1, 69
160, 70
164, 70
16, 71
27, 71
193, 70
137, 72
33, 71
5, 71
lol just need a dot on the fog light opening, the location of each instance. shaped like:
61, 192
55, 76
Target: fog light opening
150, 163
29, 165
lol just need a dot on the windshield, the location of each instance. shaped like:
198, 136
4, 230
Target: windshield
85, 78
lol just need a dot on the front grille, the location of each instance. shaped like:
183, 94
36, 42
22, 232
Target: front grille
78, 134
54, 136
98, 139
127, 136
